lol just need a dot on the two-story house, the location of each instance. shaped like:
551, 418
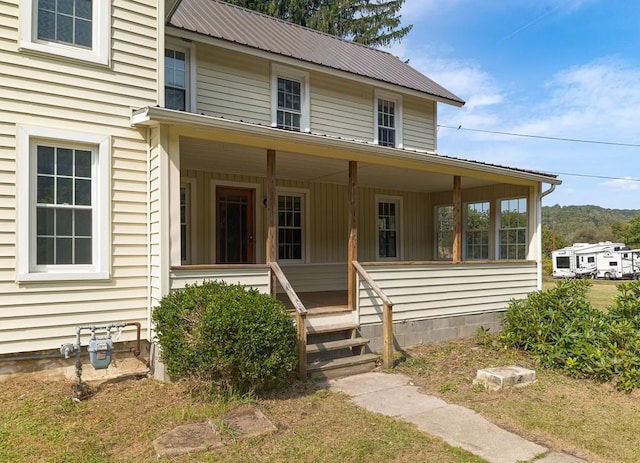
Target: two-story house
144, 147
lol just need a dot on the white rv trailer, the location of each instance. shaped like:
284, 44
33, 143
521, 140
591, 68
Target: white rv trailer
617, 265
579, 259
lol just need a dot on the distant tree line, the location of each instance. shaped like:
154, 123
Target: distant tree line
565, 225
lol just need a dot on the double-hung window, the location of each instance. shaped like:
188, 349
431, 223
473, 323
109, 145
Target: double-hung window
291, 226
512, 234
175, 79
476, 233
290, 99
388, 237
62, 205
77, 29
388, 119
444, 232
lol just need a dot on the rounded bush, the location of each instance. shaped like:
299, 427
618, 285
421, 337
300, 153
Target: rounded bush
237, 339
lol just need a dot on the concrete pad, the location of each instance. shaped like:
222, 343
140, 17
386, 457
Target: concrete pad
560, 458
187, 438
247, 421
503, 377
461, 427
403, 402
366, 383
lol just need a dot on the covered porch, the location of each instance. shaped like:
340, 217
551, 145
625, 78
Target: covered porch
376, 230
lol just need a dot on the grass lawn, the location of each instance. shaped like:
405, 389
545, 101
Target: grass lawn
39, 422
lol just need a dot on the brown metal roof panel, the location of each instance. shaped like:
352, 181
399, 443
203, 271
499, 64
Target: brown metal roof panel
228, 22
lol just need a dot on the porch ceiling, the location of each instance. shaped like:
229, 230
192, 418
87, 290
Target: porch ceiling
200, 154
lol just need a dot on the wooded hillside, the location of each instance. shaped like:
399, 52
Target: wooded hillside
588, 224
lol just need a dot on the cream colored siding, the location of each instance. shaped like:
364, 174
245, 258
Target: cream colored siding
256, 277
431, 290
233, 86
50, 92
316, 277
341, 108
419, 124
155, 250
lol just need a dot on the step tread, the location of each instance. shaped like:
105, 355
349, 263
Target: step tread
341, 362
335, 345
331, 328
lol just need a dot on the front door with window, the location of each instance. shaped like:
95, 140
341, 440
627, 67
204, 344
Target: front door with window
235, 228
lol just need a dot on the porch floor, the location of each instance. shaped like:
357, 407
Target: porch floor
318, 302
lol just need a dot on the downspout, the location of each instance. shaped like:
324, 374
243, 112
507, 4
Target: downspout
539, 213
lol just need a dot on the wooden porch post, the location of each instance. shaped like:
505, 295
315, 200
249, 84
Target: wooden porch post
271, 215
352, 253
457, 219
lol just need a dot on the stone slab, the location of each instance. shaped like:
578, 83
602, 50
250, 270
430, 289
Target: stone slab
365, 383
187, 438
246, 421
504, 377
401, 402
461, 427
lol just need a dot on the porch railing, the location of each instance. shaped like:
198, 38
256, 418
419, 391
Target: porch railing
301, 317
387, 316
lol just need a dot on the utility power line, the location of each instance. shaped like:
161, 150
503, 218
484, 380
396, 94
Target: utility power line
524, 135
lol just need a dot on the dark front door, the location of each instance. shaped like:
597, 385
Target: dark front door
235, 227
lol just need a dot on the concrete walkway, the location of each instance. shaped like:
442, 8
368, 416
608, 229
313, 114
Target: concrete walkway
391, 395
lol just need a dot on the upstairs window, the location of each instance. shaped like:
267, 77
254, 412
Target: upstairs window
388, 120
175, 79
290, 99
512, 235
476, 234
77, 29
65, 21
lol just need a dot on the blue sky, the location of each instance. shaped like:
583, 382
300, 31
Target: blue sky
550, 68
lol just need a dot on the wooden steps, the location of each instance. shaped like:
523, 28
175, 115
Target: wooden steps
337, 350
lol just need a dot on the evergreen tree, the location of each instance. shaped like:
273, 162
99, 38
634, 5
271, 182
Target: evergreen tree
370, 22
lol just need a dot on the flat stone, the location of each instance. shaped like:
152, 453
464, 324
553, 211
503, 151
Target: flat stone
187, 438
246, 421
365, 383
503, 377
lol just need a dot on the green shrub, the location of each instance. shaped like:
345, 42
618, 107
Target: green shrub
235, 339
561, 328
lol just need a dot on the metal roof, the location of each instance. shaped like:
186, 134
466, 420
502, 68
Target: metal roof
238, 25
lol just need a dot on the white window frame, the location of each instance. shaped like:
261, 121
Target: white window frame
189, 50
190, 185
304, 194
397, 200
99, 53
500, 229
436, 230
288, 73
397, 99
27, 270
466, 231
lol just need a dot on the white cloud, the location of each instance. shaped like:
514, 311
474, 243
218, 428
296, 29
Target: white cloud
622, 185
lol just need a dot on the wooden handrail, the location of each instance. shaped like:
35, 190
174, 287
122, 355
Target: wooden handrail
301, 317
387, 316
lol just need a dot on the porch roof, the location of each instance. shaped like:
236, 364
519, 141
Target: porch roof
235, 25
266, 137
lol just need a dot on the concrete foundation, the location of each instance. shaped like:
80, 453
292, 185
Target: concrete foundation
51, 365
413, 333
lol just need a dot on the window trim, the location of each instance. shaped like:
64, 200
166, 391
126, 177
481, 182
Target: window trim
399, 241
189, 50
466, 229
101, 34
303, 193
499, 228
26, 269
288, 73
397, 99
